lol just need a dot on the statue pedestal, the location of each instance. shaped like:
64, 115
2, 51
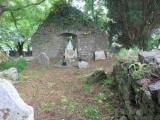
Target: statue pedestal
70, 54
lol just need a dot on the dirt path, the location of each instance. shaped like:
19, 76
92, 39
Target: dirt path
60, 94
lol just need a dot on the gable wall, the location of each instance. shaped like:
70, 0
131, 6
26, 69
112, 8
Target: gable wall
48, 39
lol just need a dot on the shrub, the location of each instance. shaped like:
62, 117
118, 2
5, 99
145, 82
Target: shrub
128, 54
19, 63
139, 70
122, 53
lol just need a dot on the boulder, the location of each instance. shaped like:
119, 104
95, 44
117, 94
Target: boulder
155, 86
100, 55
82, 64
157, 60
149, 56
12, 107
144, 82
11, 74
43, 59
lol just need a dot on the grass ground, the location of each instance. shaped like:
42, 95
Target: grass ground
62, 94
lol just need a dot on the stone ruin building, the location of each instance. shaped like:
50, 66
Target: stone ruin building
68, 28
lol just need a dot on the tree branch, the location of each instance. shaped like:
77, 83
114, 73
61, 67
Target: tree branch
14, 19
4, 8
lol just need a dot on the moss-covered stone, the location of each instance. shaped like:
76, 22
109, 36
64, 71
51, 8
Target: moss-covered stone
139, 102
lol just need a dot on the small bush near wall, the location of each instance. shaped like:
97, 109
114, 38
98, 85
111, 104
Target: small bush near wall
19, 63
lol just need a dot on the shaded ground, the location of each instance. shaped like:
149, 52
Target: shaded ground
61, 94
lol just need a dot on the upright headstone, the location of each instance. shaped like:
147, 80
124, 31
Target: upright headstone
12, 107
43, 59
100, 55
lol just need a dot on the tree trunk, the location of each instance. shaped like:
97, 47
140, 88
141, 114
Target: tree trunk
20, 48
92, 9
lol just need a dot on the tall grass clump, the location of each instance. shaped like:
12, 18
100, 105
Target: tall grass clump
19, 63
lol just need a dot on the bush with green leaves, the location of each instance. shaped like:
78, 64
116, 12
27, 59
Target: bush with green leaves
139, 70
128, 54
122, 53
19, 63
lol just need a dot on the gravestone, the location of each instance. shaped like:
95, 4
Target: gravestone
43, 59
11, 74
100, 55
82, 64
12, 107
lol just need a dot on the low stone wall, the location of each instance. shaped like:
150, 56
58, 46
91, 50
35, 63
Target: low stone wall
140, 103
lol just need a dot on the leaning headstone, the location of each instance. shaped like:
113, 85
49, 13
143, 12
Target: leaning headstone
82, 64
43, 58
100, 55
12, 107
11, 74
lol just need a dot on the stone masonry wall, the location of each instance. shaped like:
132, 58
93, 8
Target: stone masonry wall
48, 39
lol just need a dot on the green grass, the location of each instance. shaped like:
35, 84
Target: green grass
103, 96
19, 63
69, 104
91, 113
87, 87
47, 107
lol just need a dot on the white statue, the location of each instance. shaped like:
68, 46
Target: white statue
69, 46
70, 53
